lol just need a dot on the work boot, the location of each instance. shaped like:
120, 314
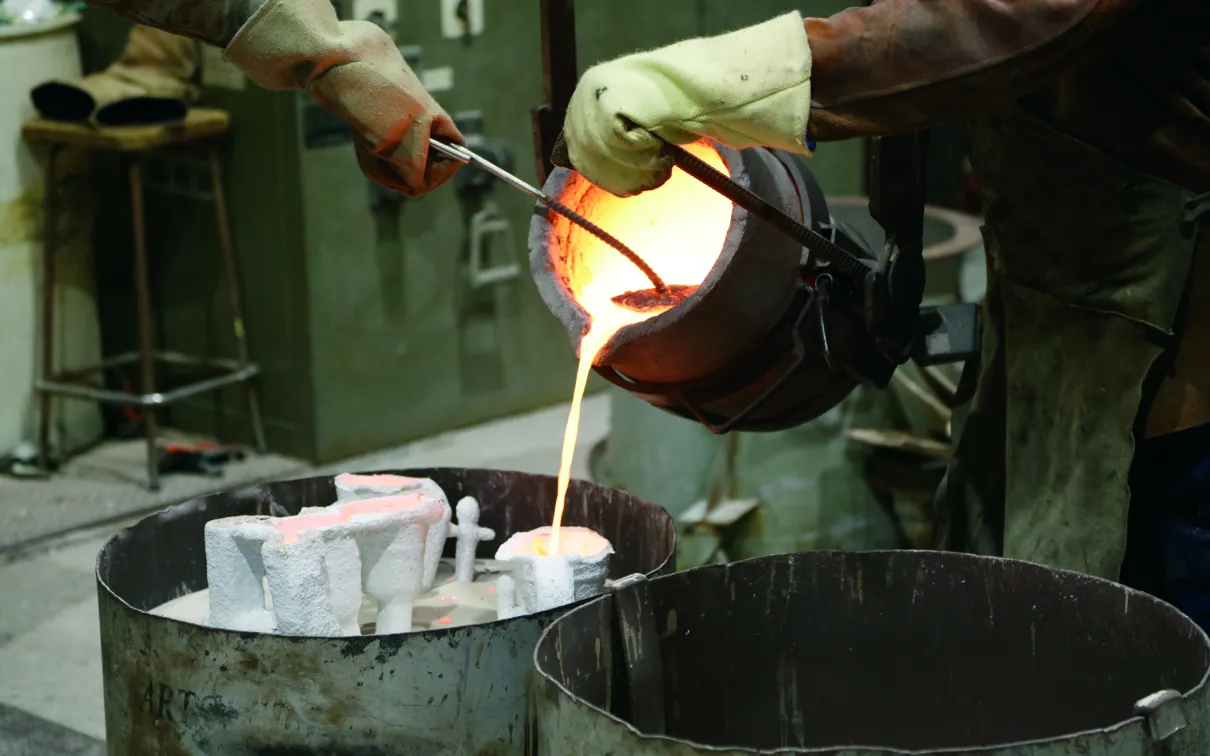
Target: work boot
152, 82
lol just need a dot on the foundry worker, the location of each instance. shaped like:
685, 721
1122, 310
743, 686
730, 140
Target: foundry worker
1087, 445
352, 69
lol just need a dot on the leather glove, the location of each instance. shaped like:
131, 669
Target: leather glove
747, 88
353, 70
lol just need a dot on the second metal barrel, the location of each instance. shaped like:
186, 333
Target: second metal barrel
878, 653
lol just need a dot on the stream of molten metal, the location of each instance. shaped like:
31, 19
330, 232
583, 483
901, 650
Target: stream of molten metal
679, 229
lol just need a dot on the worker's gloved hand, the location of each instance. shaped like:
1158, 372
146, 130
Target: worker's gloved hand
750, 87
353, 70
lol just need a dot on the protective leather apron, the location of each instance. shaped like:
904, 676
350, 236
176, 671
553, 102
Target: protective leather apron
1087, 264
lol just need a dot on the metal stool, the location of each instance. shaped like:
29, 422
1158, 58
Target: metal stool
196, 134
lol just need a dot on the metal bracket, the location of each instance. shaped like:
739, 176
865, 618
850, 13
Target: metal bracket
1197, 208
1164, 712
559, 77
897, 180
485, 224
166, 173
641, 652
946, 334
724, 514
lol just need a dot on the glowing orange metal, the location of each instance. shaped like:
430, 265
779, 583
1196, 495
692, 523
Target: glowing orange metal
678, 229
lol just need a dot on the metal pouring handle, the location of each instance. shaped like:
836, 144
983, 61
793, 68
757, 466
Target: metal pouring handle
466, 156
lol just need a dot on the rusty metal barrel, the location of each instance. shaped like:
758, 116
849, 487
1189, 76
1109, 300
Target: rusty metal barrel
173, 688
882, 652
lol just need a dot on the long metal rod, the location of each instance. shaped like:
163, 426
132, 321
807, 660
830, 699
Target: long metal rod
559, 75
142, 290
559, 78
127, 358
156, 399
50, 248
463, 155
235, 298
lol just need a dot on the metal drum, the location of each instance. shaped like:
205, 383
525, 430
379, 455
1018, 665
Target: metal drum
885, 652
174, 688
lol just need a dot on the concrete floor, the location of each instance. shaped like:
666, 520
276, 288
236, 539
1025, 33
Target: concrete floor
50, 650
109, 483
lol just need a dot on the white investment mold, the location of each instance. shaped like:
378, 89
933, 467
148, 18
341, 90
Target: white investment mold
383, 537
235, 571
352, 487
539, 580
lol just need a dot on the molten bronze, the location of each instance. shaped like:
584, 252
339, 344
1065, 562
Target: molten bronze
645, 300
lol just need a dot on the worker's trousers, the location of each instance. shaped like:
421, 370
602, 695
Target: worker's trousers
1168, 537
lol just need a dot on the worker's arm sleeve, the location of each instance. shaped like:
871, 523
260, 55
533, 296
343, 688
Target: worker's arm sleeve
353, 70
214, 22
904, 65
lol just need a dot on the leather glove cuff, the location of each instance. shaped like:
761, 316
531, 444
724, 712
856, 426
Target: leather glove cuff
746, 88
353, 69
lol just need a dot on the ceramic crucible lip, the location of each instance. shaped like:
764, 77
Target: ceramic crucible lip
736, 231
551, 275
745, 294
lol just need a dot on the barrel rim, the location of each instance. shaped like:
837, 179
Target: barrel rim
1137, 721
666, 566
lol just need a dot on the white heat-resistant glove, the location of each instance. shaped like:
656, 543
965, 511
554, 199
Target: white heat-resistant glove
353, 70
747, 88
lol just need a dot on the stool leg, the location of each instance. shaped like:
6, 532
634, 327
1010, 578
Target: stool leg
233, 294
50, 248
143, 298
